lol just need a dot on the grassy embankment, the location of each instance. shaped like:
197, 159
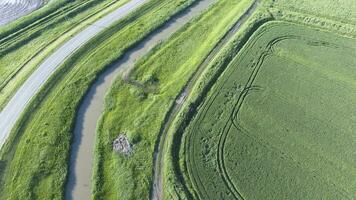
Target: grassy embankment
336, 16
26, 42
328, 9
34, 159
140, 112
274, 118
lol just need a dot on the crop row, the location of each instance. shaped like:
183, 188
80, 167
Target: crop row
217, 161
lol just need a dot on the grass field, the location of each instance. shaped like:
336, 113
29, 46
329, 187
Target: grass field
40, 142
279, 122
339, 10
25, 43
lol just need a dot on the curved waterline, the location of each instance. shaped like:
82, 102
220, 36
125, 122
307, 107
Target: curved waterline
81, 161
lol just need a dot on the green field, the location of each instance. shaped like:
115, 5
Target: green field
338, 10
280, 121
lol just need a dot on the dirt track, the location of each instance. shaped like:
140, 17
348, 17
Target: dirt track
11, 10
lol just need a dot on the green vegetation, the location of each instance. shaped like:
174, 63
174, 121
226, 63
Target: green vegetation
163, 74
25, 43
34, 159
338, 10
279, 122
337, 16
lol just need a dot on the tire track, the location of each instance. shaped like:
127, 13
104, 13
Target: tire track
233, 119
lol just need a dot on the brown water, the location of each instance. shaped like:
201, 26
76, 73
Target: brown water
81, 161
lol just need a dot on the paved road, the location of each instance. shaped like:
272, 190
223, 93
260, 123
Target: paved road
11, 113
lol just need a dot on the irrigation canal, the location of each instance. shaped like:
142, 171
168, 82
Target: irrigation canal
81, 161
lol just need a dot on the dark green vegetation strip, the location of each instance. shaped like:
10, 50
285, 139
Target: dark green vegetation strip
24, 44
279, 123
34, 160
141, 112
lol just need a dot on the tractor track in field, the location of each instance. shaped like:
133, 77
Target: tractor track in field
223, 137
233, 119
230, 123
157, 185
